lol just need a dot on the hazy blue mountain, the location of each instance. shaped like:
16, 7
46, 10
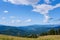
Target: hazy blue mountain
25, 30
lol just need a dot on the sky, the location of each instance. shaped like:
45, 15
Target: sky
29, 12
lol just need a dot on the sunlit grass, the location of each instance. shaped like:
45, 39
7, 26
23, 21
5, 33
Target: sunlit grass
49, 37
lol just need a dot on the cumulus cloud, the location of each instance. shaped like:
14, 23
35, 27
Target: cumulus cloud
57, 5
44, 9
22, 2
41, 8
46, 18
5, 11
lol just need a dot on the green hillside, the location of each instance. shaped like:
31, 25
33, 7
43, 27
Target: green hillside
49, 37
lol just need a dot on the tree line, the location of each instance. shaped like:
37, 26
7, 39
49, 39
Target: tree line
50, 32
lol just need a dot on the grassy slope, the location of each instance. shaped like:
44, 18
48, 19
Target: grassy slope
52, 37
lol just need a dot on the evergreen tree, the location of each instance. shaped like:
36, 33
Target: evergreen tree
51, 32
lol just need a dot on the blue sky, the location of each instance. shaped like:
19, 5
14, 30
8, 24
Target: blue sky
29, 12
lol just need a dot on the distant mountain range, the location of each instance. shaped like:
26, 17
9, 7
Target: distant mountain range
26, 30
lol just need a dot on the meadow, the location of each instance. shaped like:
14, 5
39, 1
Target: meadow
49, 37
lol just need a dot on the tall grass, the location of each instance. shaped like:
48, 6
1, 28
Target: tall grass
49, 37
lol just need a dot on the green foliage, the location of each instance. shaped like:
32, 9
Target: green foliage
45, 33
51, 32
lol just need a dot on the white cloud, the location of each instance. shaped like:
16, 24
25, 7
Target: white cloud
28, 20
57, 5
44, 9
5, 11
41, 8
22, 2
46, 19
